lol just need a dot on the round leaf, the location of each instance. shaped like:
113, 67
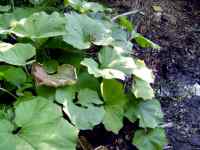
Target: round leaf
17, 54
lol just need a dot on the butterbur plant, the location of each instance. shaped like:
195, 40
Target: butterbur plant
74, 64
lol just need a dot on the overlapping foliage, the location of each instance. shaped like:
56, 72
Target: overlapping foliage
76, 64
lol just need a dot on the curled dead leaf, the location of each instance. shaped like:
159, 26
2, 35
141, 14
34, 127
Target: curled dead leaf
66, 75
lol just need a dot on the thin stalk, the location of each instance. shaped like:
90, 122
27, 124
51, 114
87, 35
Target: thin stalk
12, 5
126, 14
6, 91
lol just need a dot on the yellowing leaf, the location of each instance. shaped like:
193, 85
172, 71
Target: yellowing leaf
157, 8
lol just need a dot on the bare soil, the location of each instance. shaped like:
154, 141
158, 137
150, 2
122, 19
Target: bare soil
176, 66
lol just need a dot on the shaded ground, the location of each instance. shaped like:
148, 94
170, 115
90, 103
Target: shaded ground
176, 66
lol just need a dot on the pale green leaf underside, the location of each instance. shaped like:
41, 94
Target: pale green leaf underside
106, 73
83, 31
40, 25
111, 58
121, 42
112, 65
151, 140
17, 54
143, 72
142, 89
42, 127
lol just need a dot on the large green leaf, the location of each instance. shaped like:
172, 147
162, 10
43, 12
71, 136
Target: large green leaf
39, 126
83, 31
153, 139
40, 25
86, 111
112, 65
15, 75
17, 54
84, 78
115, 100
148, 112
9, 19
142, 89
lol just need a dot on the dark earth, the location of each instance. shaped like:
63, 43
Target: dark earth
176, 28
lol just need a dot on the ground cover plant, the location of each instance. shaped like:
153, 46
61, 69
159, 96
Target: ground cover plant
69, 66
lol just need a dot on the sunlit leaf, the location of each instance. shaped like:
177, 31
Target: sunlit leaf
84, 6
40, 25
142, 89
9, 19
17, 54
112, 65
83, 31
143, 72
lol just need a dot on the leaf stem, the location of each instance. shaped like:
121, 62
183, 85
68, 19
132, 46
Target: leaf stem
6, 91
126, 14
84, 143
12, 5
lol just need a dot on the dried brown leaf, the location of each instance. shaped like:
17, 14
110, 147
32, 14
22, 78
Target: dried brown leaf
66, 75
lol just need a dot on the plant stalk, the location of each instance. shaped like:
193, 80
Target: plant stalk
6, 91
12, 5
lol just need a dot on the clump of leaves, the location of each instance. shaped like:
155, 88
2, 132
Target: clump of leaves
46, 73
